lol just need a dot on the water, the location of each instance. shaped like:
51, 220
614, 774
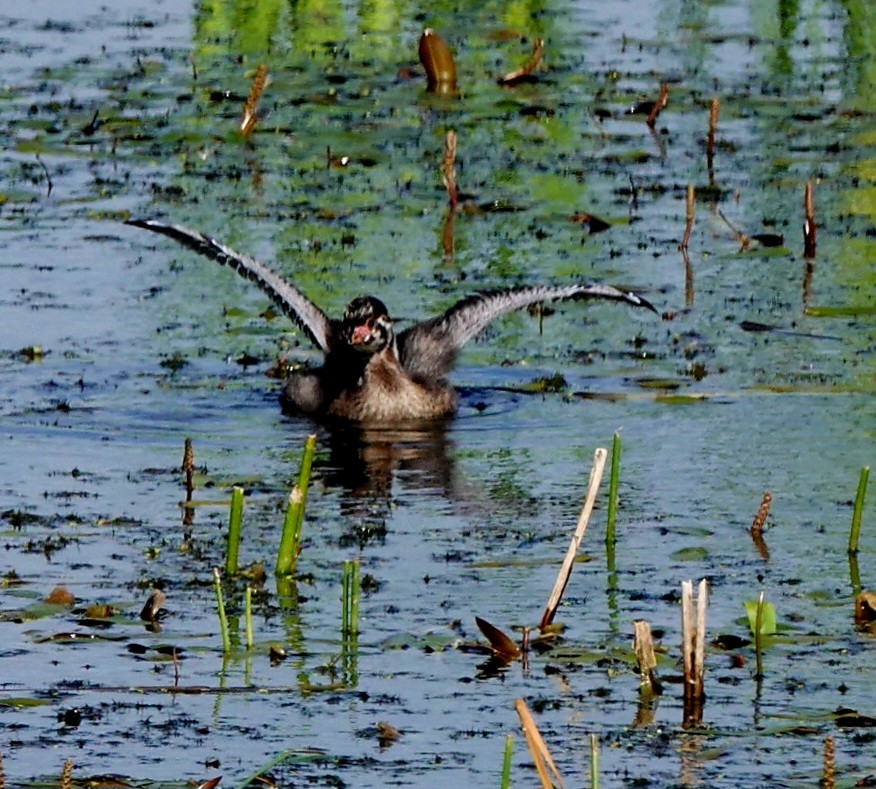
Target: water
469, 520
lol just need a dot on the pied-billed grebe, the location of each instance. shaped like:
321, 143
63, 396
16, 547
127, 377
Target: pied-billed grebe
371, 374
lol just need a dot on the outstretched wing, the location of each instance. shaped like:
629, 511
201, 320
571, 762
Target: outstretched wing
315, 323
429, 348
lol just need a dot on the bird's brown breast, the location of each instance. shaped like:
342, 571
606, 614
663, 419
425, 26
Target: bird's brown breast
386, 393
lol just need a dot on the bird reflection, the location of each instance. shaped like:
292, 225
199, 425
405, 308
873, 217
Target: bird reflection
365, 461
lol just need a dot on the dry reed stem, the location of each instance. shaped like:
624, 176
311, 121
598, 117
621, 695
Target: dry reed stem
67, 775
247, 124
688, 279
689, 209
807, 283
531, 65
643, 646
537, 747
662, 98
448, 166
550, 610
828, 776
700, 651
2, 773
693, 646
762, 513
710, 140
188, 467
448, 245
742, 238
809, 231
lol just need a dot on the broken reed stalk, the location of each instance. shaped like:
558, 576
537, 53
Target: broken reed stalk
537, 747
447, 242
188, 467
448, 167
66, 781
290, 539
248, 122
566, 569
809, 231
758, 639
613, 474
855, 532
513, 77
757, 524
689, 208
220, 607
247, 616
828, 774
662, 98
762, 513
688, 280
710, 140
235, 520
350, 599
693, 634
306, 464
505, 783
643, 646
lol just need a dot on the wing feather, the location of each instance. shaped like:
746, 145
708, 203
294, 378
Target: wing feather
310, 318
429, 348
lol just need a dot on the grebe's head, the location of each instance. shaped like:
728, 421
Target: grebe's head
366, 326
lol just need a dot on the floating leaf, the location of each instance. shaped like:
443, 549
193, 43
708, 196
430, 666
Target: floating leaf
695, 554
21, 701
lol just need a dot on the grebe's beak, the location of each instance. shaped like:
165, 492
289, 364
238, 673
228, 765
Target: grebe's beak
361, 334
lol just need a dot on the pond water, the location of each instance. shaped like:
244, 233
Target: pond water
116, 345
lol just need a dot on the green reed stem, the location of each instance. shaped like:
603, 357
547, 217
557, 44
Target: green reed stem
234, 522
220, 605
350, 599
758, 638
594, 762
247, 616
306, 463
506, 763
290, 540
859, 508
612, 488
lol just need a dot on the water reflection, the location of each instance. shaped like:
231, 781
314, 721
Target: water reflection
365, 461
